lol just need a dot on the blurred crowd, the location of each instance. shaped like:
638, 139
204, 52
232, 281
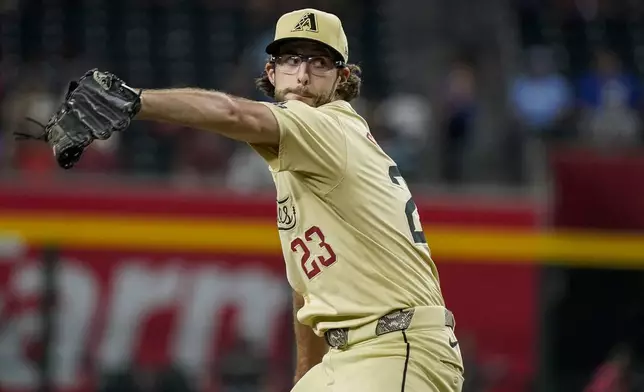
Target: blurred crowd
240, 368
575, 78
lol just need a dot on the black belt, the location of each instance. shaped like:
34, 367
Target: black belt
395, 321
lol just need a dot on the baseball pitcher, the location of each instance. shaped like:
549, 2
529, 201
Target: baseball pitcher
370, 315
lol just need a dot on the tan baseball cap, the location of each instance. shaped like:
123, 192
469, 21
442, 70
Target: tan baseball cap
311, 24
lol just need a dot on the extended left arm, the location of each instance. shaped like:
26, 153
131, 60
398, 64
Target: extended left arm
233, 117
99, 104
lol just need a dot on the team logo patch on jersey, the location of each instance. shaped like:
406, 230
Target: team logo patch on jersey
308, 22
286, 214
281, 105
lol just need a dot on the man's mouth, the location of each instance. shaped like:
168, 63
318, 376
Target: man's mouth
302, 94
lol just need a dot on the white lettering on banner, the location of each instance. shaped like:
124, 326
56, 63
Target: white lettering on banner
259, 296
16, 370
260, 299
135, 289
137, 292
210, 293
77, 299
76, 302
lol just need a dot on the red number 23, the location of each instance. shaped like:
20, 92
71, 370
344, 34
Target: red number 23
311, 267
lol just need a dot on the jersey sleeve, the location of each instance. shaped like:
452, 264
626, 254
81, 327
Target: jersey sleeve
312, 142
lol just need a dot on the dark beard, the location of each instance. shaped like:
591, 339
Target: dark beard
318, 99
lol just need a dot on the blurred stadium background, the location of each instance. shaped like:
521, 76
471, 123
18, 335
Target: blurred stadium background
155, 266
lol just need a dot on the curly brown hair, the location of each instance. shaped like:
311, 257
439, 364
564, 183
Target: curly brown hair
347, 90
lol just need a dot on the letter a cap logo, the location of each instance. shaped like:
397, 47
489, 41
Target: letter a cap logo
308, 22
312, 25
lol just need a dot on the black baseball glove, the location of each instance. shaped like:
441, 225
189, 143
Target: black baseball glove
95, 106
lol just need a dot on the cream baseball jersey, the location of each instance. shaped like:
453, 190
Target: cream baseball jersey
350, 231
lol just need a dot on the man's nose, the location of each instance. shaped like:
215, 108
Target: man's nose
303, 73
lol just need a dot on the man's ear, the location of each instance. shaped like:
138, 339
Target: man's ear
344, 74
270, 72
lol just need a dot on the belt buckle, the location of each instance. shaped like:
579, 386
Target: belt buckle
394, 321
450, 321
337, 338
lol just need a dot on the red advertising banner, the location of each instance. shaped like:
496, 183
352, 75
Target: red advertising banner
115, 308
598, 190
153, 278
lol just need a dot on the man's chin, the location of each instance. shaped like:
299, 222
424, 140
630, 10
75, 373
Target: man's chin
307, 100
